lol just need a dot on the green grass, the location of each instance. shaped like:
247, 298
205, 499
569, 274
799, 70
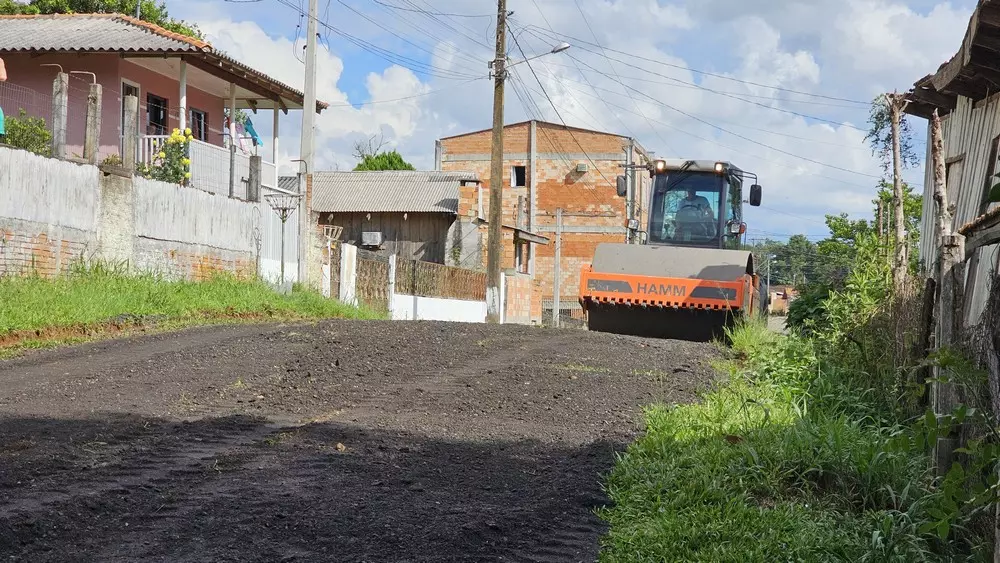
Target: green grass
97, 296
783, 462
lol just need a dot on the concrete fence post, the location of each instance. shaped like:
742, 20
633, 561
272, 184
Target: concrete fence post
254, 183
392, 283
348, 274
92, 139
60, 107
129, 137
503, 297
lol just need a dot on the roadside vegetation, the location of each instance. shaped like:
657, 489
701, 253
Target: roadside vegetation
816, 448
88, 301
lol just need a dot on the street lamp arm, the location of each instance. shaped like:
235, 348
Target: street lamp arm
557, 49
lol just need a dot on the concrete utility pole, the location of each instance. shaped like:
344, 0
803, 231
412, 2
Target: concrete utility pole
495, 243
306, 149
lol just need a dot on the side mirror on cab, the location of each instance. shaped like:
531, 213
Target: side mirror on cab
755, 195
622, 186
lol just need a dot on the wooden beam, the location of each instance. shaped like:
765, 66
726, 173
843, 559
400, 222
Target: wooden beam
982, 237
934, 98
241, 82
252, 104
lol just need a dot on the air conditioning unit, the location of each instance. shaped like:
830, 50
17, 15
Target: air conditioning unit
582, 167
371, 238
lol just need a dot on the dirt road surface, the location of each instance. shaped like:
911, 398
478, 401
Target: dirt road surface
336, 441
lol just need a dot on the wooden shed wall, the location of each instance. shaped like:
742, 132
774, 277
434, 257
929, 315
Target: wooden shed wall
420, 236
970, 144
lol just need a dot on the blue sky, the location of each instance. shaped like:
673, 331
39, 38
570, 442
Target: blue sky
637, 67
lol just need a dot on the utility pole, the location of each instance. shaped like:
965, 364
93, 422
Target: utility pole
308, 134
495, 233
557, 272
896, 104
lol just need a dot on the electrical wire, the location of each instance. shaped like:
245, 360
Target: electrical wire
706, 73
401, 60
428, 13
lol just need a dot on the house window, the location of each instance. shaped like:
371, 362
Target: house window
518, 175
156, 115
198, 122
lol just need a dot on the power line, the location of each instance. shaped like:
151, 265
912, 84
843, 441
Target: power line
547, 97
399, 36
745, 138
401, 60
428, 13
706, 73
428, 93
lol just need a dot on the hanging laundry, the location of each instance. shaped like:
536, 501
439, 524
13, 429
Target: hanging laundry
253, 134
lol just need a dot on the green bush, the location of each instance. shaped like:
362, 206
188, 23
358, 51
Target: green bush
809, 452
28, 133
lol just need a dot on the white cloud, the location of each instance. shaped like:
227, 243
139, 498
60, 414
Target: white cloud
843, 48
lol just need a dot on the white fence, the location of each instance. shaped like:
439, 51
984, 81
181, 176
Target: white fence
402, 306
210, 166
268, 226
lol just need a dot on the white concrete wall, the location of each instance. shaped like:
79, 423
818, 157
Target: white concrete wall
411, 308
175, 213
47, 191
53, 213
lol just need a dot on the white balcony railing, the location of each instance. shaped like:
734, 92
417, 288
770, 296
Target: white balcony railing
210, 166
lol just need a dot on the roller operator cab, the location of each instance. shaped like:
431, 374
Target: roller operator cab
685, 277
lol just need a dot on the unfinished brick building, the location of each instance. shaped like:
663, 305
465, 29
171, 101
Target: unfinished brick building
548, 167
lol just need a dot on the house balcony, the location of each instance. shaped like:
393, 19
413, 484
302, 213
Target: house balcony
210, 165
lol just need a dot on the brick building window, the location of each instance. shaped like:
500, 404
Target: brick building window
522, 257
518, 176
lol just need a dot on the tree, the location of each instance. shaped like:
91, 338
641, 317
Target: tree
383, 161
363, 149
150, 11
890, 134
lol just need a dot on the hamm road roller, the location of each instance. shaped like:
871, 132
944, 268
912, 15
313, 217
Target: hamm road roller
686, 277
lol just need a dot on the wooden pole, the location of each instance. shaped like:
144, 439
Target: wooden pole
951, 279
897, 103
494, 251
60, 107
92, 138
881, 218
944, 210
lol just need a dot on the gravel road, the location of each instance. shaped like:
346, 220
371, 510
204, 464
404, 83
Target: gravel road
334, 441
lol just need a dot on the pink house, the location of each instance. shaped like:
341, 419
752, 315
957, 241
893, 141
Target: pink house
180, 82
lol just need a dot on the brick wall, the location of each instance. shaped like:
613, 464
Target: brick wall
589, 200
518, 295
25, 250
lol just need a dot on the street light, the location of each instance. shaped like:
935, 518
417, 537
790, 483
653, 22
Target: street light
494, 251
557, 49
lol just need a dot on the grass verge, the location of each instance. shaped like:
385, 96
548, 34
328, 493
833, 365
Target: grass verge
97, 302
789, 460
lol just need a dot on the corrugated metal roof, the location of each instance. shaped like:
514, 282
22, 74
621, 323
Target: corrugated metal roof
90, 32
394, 191
288, 183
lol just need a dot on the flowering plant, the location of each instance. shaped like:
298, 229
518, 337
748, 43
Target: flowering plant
171, 163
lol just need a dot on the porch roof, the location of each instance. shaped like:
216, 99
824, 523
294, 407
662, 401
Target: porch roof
973, 72
148, 45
